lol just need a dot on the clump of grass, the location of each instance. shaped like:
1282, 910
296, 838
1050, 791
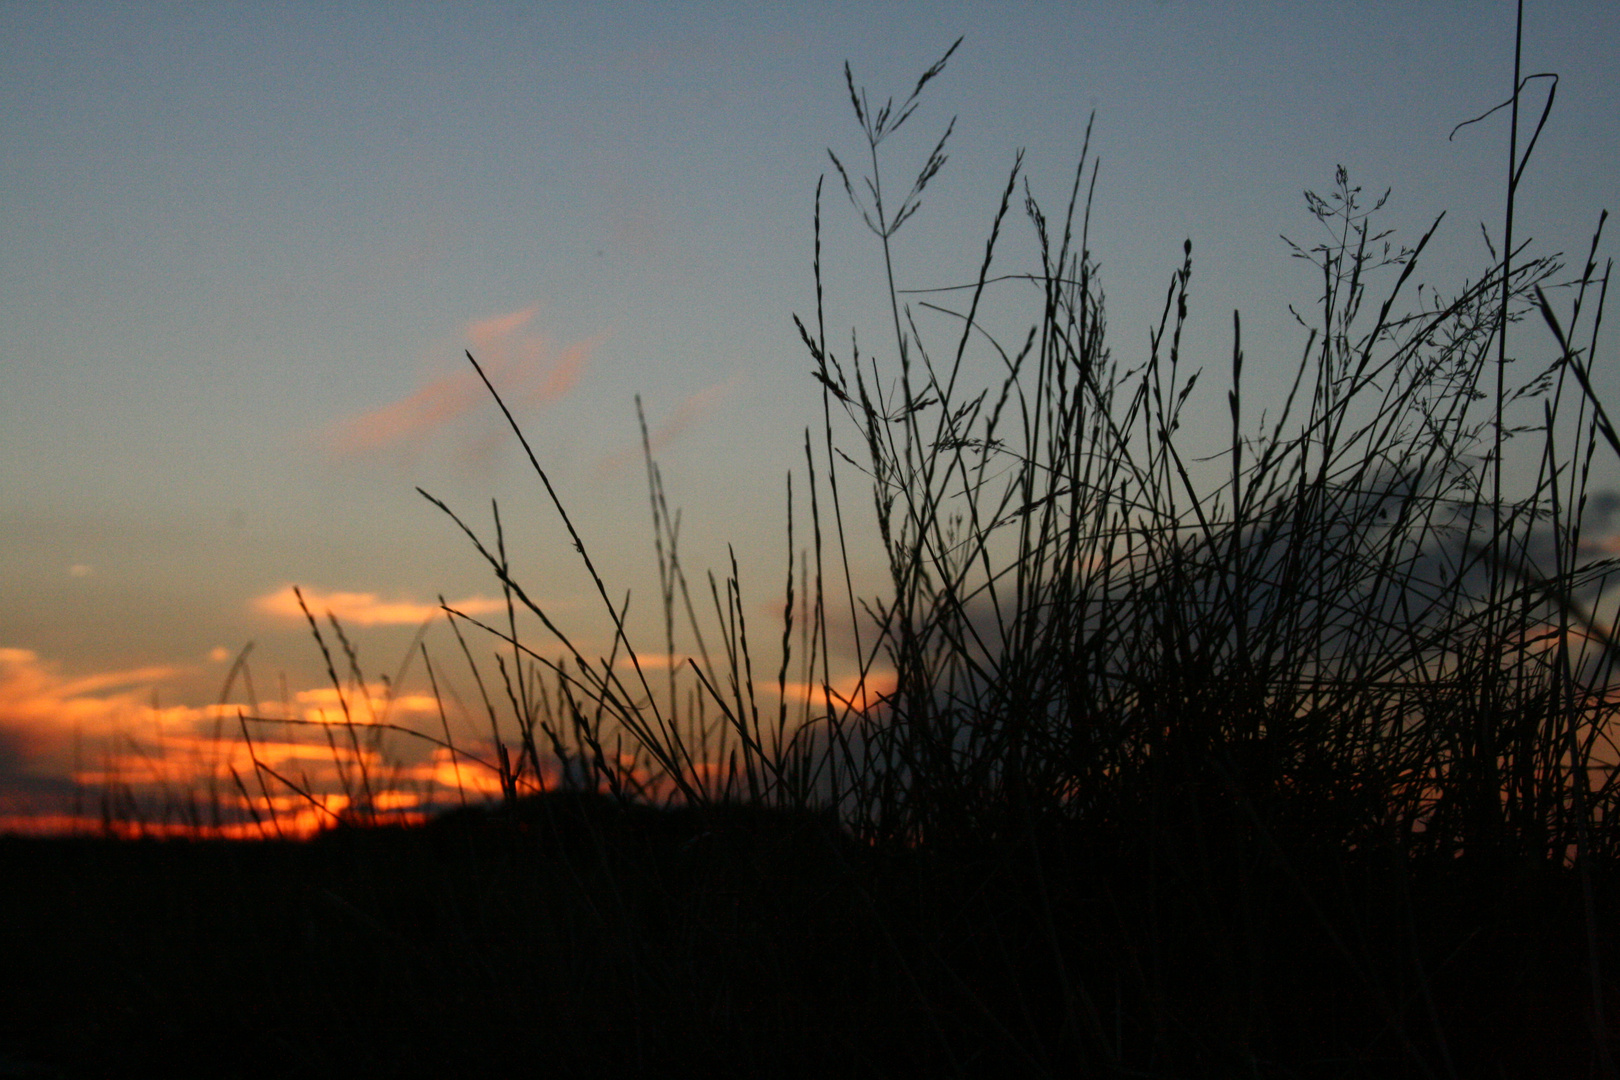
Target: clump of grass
1166, 760
1304, 770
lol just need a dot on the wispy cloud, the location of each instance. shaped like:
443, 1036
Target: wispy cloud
687, 414
525, 366
365, 609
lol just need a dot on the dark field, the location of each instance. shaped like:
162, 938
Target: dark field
584, 940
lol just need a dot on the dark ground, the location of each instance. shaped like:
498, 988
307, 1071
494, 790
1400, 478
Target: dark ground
577, 940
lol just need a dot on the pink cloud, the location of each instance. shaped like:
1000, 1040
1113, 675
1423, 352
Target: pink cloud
690, 411
524, 366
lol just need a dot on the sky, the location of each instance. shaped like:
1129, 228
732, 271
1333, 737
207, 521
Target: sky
244, 249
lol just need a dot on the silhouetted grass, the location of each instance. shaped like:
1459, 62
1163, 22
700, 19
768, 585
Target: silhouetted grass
1304, 770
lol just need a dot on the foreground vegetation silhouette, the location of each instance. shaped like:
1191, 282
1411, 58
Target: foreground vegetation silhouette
1305, 771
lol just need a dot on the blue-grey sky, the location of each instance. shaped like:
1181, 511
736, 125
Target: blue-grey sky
244, 246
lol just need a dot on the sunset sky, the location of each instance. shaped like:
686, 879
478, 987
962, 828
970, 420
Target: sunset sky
244, 247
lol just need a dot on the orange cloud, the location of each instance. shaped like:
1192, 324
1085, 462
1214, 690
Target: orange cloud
286, 767
523, 365
372, 702
67, 743
1608, 545
654, 661
44, 716
852, 692
35, 698
365, 609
